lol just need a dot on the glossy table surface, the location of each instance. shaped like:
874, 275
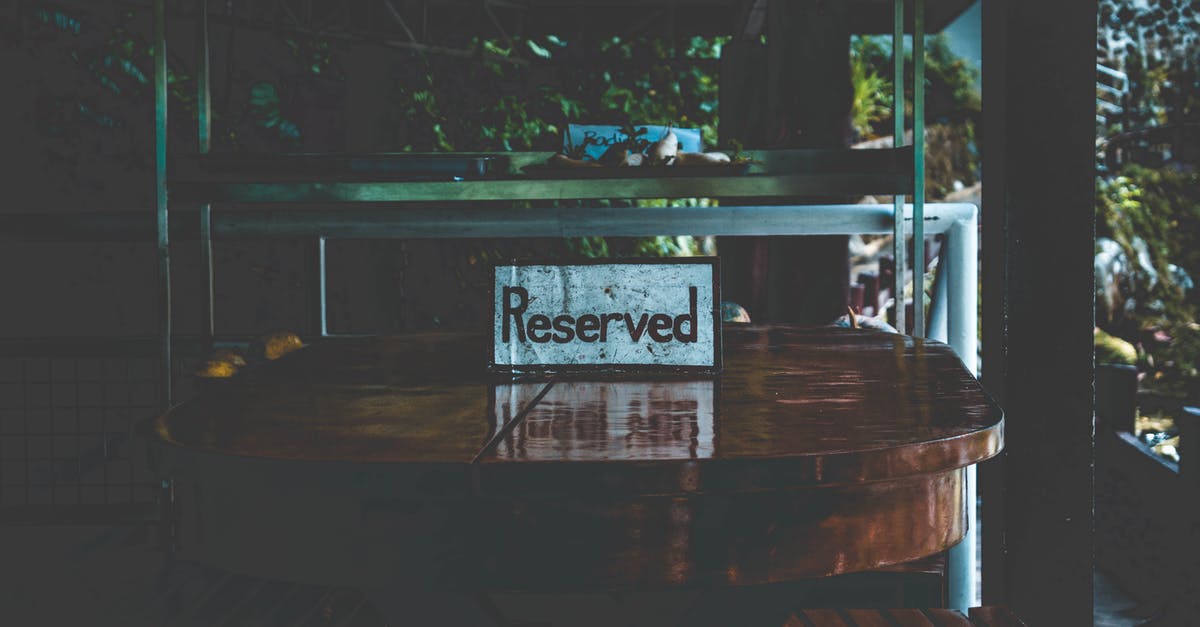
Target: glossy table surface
816, 451
828, 405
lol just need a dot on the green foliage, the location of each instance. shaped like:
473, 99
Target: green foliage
316, 56
1160, 93
588, 247
522, 97
1113, 350
265, 108
952, 106
1150, 205
951, 84
872, 93
64, 22
950, 157
1160, 207
947, 73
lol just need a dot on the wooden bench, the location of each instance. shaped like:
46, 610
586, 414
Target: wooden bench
976, 617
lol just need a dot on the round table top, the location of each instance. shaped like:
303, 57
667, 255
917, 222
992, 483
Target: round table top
793, 407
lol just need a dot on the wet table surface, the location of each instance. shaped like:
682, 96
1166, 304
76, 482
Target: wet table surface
815, 452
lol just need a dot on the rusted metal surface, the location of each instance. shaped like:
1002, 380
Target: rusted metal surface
362, 461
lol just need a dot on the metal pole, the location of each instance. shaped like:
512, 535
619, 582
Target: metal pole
952, 316
962, 251
320, 302
962, 283
204, 143
437, 221
918, 261
898, 241
160, 180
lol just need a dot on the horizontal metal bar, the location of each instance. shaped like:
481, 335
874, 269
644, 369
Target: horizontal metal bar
1103, 69
714, 17
559, 222
757, 186
421, 222
496, 167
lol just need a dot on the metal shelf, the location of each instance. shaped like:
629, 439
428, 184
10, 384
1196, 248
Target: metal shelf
752, 186
373, 178
329, 183
423, 221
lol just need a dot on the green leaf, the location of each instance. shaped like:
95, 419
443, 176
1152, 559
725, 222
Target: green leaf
536, 49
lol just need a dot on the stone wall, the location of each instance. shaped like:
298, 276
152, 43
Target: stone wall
1164, 31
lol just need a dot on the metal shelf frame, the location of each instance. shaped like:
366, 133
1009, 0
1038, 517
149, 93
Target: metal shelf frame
394, 215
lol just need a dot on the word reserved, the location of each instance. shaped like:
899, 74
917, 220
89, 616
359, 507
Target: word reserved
593, 327
614, 315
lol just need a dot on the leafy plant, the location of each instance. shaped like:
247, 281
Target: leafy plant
951, 83
1153, 214
265, 109
872, 102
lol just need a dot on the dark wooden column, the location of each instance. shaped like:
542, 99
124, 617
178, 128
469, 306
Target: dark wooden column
792, 92
1038, 221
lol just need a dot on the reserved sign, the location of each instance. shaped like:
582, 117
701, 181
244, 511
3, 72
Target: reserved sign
618, 315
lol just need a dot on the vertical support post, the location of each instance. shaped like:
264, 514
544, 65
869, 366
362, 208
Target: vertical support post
160, 180
1189, 451
994, 247
962, 259
898, 239
1183, 605
1116, 397
1040, 199
918, 261
204, 143
321, 311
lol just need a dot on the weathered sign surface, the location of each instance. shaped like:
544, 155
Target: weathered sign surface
613, 315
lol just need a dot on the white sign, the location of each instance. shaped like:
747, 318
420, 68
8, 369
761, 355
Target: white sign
613, 315
601, 137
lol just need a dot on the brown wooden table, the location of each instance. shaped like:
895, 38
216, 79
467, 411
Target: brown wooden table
379, 461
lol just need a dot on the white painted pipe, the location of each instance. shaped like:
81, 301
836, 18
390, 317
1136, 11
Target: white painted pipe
961, 332
490, 222
439, 222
